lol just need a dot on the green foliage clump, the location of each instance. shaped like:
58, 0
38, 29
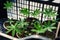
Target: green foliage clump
42, 28
38, 28
49, 26
17, 27
27, 12
35, 12
8, 5
48, 12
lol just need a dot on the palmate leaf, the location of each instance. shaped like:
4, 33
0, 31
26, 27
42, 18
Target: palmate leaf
46, 14
17, 27
25, 11
49, 12
37, 25
46, 11
11, 26
53, 15
38, 28
49, 26
13, 30
8, 5
36, 12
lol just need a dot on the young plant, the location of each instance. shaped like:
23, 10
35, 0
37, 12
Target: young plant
49, 26
13, 29
8, 5
23, 23
17, 28
38, 28
35, 13
27, 12
49, 12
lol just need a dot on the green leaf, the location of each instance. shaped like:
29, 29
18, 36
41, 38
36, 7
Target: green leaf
49, 12
9, 31
18, 27
8, 27
53, 27
34, 30
38, 28
13, 32
13, 26
42, 31
49, 26
36, 12
49, 30
16, 24
18, 30
53, 24
8, 5
25, 11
